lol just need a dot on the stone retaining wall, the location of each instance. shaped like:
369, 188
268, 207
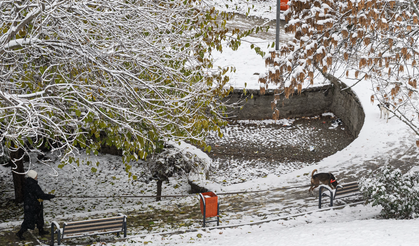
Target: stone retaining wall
348, 108
313, 101
310, 102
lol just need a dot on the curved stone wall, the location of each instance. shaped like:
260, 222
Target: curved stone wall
348, 108
312, 101
336, 98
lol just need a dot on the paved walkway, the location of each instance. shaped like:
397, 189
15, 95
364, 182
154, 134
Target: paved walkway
184, 214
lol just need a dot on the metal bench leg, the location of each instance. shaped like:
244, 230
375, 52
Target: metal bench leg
125, 227
320, 197
52, 234
218, 214
59, 237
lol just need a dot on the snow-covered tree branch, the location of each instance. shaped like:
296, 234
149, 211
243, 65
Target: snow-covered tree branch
87, 73
375, 41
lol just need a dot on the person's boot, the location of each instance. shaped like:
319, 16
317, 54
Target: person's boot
19, 234
43, 232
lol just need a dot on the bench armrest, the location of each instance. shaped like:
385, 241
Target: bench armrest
331, 192
124, 227
58, 231
56, 225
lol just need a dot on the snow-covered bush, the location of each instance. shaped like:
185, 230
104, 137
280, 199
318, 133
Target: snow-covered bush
177, 159
398, 194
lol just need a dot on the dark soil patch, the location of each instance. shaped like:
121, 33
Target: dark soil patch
275, 148
325, 142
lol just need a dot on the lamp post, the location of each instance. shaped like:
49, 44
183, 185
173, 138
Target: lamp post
278, 15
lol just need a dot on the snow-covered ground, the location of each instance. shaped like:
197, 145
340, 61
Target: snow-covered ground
350, 226
377, 143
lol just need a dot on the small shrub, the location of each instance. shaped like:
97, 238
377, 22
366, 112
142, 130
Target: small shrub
398, 194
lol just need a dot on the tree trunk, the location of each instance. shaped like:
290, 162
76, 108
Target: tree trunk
159, 185
18, 179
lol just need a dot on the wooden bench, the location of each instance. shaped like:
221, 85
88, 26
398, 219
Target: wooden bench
89, 227
342, 191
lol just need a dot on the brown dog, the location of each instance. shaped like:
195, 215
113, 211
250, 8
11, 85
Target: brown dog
322, 178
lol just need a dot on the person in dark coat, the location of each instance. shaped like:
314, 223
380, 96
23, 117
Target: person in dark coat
33, 206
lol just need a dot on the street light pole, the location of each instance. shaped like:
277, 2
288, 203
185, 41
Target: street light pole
278, 15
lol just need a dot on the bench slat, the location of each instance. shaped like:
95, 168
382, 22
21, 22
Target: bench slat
346, 191
77, 225
351, 194
90, 229
347, 188
97, 229
113, 225
350, 185
94, 220
74, 235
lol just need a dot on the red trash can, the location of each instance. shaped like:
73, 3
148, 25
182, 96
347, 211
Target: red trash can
284, 5
209, 206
